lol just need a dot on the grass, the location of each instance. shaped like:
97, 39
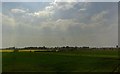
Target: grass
75, 61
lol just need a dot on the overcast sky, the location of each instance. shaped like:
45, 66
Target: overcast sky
59, 24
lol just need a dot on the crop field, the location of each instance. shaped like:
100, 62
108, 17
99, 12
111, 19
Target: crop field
69, 61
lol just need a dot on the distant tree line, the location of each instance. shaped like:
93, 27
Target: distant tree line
64, 48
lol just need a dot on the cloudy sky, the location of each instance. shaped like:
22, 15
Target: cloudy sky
59, 24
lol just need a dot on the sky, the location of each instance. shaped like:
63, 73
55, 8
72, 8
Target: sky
54, 23
60, 0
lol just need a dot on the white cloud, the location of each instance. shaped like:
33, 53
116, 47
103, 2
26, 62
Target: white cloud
98, 22
66, 1
65, 6
61, 5
50, 10
60, 24
17, 11
99, 16
9, 21
42, 13
64, 24
82, 9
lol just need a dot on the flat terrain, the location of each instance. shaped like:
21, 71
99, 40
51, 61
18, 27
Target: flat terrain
69, 61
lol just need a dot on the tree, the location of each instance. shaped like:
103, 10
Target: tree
16, 50
117, 46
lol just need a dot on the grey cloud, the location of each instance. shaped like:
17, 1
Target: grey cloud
70, 24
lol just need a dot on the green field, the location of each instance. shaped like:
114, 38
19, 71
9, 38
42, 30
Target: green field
69, 61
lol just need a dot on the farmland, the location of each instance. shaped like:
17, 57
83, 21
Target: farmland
68, 61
